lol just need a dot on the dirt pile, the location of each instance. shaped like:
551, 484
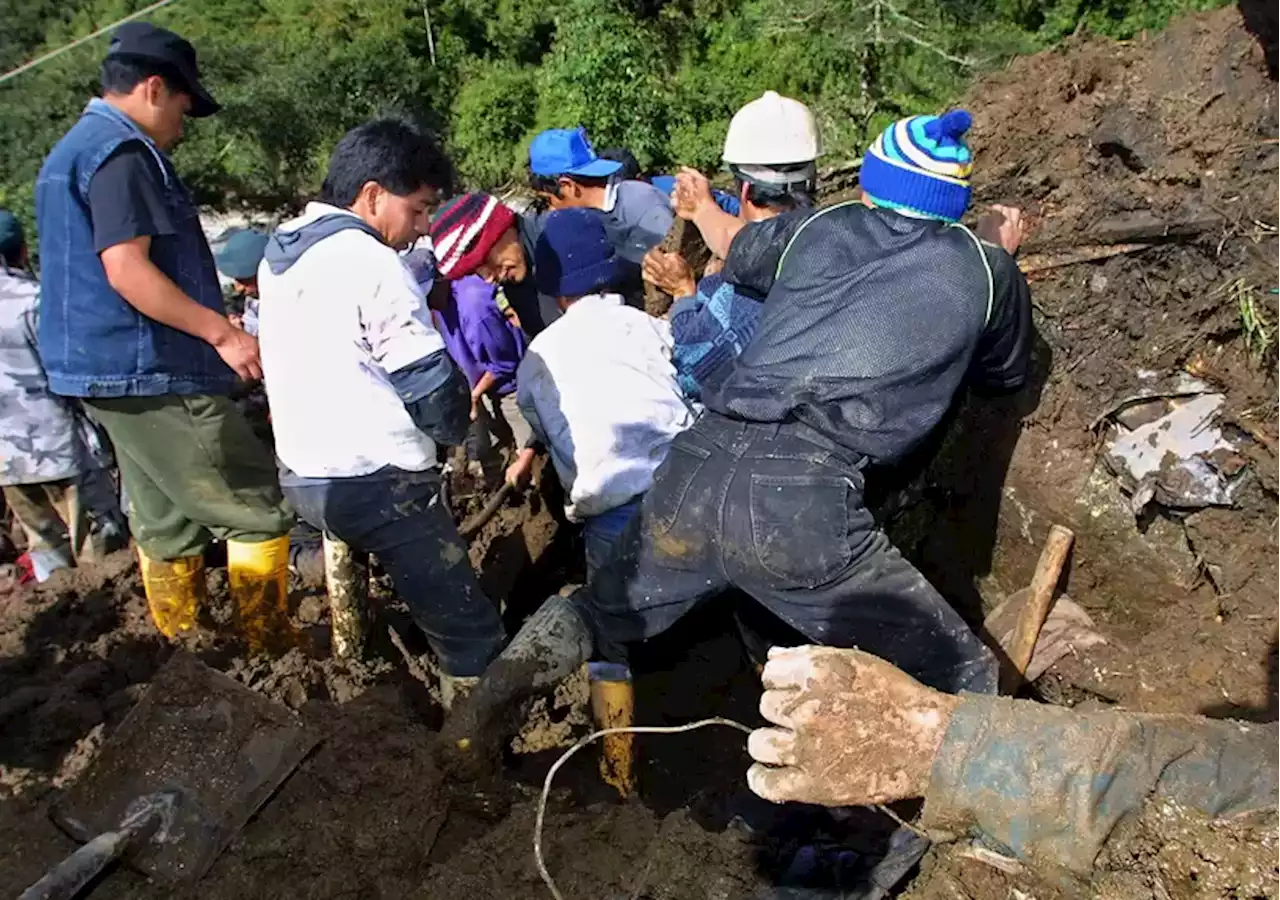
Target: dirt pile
1101, 138
1148, 169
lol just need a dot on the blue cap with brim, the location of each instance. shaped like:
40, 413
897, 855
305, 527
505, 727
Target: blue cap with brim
240, 255
568, 151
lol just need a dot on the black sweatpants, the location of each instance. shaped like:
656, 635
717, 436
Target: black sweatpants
777, 512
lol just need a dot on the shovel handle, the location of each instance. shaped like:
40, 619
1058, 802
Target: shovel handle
147, 816
67, 878
1040, 598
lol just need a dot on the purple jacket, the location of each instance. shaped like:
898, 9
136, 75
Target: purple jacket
478, 336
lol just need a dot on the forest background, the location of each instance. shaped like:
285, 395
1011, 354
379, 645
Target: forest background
660, 77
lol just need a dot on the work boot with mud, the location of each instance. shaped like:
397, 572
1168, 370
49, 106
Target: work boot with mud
551, 645
175, 590
258, 574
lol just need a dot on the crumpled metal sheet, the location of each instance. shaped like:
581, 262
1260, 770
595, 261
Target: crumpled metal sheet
1169, 449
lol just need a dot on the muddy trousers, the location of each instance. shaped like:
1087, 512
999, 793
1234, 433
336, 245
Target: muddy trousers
397, 516
777, 512
193, 471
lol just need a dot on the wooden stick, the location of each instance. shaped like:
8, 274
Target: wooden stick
1042, 262
468, 528
1039, 598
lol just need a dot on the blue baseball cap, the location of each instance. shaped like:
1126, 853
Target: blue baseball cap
568, 151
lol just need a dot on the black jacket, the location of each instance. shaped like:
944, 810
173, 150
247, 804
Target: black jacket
873, 321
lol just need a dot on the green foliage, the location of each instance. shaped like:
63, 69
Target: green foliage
605, 70
661, 77
493, 111
1121, 19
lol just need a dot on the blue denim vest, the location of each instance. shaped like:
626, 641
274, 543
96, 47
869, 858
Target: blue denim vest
93, 343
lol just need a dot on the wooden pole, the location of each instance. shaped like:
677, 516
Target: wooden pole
1039, 599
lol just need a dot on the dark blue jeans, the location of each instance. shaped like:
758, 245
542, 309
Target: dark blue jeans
600, 534
777, 512
397, 516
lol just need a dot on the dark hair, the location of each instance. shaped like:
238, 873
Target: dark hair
390, 152
550, 184
121, 74
630, 170
545, 184
782, 197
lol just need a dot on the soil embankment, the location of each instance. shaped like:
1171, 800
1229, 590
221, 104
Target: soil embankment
1159, 157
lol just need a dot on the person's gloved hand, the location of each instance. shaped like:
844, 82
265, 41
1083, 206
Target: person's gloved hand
854, 730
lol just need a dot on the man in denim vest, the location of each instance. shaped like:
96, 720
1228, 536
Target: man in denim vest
132, 322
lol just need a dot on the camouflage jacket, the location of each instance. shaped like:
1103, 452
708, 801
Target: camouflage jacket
43, 437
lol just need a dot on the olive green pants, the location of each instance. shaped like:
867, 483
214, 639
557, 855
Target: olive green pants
193, 470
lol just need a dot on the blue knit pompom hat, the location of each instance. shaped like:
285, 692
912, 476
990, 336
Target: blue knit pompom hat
921, 165
574, 257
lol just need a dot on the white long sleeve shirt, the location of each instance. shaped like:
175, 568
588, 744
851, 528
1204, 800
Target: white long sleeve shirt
598, 388
332, 327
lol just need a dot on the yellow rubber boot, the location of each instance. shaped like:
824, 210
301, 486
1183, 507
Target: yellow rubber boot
258, 575
175, 591
613, 705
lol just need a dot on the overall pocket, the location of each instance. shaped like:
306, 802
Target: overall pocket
800, 526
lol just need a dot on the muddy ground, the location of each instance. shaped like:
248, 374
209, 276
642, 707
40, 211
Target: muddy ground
1165, 145
1168, 142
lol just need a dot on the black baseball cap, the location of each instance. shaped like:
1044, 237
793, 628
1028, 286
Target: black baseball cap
142, 40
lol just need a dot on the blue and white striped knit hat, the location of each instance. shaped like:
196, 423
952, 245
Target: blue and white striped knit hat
921, 165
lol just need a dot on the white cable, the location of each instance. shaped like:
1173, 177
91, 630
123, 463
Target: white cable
76, 43
645, 729
591, 738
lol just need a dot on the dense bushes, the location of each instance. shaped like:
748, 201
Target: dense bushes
662, 78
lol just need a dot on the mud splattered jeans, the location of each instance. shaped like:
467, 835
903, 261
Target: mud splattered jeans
777, 512
397, 516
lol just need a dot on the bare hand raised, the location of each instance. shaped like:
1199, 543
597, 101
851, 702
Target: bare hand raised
692, 192
1002, 225
853, 730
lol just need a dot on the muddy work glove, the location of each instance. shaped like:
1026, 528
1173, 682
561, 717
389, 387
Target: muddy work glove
852, 729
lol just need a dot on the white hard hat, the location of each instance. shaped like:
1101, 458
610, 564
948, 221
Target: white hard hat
772, 131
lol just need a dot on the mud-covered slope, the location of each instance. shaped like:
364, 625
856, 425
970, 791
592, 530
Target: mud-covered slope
1148, 169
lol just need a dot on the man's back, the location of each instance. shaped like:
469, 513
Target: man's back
871, 326
599, 387
640, 218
